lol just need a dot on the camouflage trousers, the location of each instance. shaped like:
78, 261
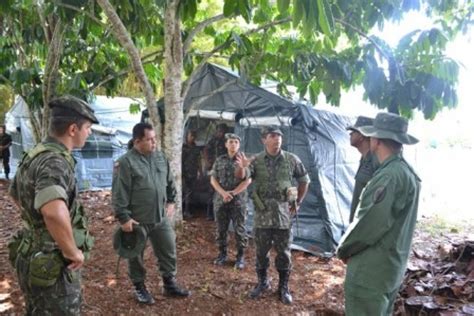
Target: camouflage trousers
189, 186
265, 238
62, 298
224, 214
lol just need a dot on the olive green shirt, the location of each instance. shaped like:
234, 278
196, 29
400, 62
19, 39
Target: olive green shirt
378, 241
141, 187
367, 167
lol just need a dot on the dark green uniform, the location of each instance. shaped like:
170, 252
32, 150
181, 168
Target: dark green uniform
46, 174
235, 210
5, 142
191, 158
377, 243
367, 167
141, 187
272, 222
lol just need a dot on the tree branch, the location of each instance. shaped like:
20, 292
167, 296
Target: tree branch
199, 28
74, 8
207, 55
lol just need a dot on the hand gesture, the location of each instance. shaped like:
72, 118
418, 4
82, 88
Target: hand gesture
241, 160
128, 226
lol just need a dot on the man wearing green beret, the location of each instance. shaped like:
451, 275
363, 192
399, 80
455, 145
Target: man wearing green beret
230, 201
275, 202
377, 243
368, 162
48, 253
144, 193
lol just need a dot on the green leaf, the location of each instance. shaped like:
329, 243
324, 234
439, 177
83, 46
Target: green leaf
134, 108
283, 6
298, 12
230, 7
325, 18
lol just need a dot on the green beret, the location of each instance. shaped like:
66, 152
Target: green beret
77, 105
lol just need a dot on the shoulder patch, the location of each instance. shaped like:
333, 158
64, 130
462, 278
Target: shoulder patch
379, 194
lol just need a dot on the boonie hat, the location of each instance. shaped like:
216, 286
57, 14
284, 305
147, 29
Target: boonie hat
271, 129
77, 105
231, 136
389, 126
129, 244
361, 121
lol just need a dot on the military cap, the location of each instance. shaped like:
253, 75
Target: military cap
271, 129
130, 244
361, 121
231, 136
77, 105
389, 126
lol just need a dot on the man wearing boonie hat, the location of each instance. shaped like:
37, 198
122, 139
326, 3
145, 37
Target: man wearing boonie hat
49, 253
230, 201
377, 243
273, 172
368, 162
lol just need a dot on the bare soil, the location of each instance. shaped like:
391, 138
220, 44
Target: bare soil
316, 283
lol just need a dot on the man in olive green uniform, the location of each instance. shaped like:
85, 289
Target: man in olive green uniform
230, 201
143, 193
5, 143
377, 243
191, 170
368, 162
49, 252
213, 149
273, 172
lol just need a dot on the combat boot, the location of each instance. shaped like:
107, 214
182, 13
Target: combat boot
222, 257
172, 289
262, 285
142, 295
240, 261
283, 290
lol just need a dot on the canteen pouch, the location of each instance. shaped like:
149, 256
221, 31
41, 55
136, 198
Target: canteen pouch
45, 268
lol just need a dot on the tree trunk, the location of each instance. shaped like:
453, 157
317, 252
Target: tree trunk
123, 37
173, 130
51, 74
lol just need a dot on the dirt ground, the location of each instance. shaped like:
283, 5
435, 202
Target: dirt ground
316, 283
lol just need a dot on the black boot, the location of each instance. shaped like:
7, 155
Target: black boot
222, 257
171, 288
142, 295
262, 285
240, 261
283, 291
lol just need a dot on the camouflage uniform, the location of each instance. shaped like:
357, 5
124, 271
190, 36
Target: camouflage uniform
272, 222
191, 158
214, 148
46, 174
46, 177
235, 210
367, 167
5, 142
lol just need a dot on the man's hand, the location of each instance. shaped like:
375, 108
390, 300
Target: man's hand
128, 226
294, 207
227, 196
77, 260
241, 160
170, 210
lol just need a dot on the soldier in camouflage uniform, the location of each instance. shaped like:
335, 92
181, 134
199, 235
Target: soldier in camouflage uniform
230, 201
144, 194
368, 162
5, 143
273, 172
191, 170
49, 252
214, 148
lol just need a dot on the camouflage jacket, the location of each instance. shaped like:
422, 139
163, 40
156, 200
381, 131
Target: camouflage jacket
48, 176
272, 176
141, 187
223, 171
